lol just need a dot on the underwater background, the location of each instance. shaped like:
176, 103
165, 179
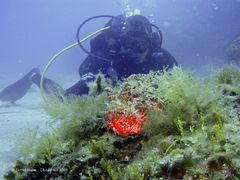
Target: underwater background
200, 34
33, 31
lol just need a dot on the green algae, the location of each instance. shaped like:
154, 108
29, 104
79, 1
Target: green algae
233, 52
74, 114
192, 131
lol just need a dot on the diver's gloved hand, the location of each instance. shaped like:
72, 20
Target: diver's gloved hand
81, 87
157, 55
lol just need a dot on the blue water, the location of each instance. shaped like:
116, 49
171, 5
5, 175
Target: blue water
196, 32
33, 31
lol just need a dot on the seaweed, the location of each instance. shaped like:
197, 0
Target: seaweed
228, 80
191, 131
77, 117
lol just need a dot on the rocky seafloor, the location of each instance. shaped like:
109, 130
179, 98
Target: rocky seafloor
163, 125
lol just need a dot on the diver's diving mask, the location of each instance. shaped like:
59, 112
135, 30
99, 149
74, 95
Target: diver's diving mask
135, 42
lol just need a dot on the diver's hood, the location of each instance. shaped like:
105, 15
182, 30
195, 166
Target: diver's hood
136, 34
138, 24
123, 35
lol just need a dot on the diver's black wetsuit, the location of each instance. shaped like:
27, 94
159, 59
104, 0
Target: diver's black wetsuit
119, 66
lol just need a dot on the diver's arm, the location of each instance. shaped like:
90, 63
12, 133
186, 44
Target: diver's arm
87, 71
168, 58
163, 59
80, 88
93, 65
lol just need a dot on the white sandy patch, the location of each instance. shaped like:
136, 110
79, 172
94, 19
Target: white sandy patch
14, 121
27, 114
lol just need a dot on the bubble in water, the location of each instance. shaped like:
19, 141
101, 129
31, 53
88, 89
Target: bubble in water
215, 7
19, 61
166, 24
127, 9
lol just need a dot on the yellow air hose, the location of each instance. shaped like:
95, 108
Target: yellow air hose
59, 53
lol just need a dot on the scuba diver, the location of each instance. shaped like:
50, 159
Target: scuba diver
129, 46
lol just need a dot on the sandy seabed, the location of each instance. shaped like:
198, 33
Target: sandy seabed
25, 115
15, 120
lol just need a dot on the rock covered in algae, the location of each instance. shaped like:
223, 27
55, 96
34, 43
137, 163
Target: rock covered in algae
191, 132
233, 52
